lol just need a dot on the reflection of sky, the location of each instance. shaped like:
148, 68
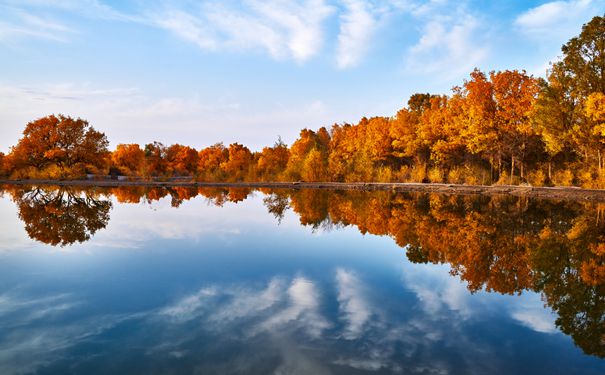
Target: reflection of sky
227, 290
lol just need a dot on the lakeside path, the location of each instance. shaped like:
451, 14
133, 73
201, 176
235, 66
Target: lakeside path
566, 193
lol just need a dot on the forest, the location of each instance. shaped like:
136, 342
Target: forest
501, 127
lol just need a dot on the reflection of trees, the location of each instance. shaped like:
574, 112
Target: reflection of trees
501, 244
61, 216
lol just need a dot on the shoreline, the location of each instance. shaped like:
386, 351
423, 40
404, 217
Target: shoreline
559, 192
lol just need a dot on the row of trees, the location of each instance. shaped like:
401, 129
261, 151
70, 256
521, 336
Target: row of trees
500, 127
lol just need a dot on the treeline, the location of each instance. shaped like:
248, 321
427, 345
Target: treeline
503, 127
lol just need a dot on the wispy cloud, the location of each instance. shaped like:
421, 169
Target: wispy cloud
530, 312
352, 303
302, 311
357, 28
449, 46
17, 24
282, 29
558, 19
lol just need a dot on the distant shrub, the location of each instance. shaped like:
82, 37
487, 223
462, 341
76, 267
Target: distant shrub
418, 173
384, 174
536, 178
455, 176
435, 175
563, 178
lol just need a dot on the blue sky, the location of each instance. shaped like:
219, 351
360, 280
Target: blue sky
200, 72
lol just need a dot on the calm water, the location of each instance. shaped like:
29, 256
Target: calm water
207, 281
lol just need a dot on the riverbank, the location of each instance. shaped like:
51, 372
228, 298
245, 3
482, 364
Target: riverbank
567, 193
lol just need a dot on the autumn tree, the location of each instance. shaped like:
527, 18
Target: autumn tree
71, 145
560, 110
155, 159
514, 93
594, 110
129, 159
237, 166
272, 161
182, 160
209, 162
302, 158
3, 169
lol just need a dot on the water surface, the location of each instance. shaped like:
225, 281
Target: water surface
227, 281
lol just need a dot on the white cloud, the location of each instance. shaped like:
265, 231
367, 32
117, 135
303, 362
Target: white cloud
129, 115
558, 19
357, 27
17, 24
248, 303
283, 29
187, 308
438, 291
352, 303
302, 311
530, 312
448, 46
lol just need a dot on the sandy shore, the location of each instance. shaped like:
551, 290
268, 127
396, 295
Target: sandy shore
567, 193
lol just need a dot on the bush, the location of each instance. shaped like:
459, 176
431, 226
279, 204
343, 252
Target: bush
536, 178
435, 175
418, 173
384, 174
563, 178
455, 176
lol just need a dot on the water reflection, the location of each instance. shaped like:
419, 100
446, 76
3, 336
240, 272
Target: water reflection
506, 245
61, 216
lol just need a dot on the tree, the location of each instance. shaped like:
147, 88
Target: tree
594, 109
209, 162
237, 166
515, 93
273, 161
155, 159
182, 160
302, 147
3, 169
64, 142
129, 158
560, 111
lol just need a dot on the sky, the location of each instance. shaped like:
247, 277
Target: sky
250, 71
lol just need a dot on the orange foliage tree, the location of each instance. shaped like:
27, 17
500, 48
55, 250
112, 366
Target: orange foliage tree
69, 145
129, 159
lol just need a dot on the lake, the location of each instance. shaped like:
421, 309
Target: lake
227, 281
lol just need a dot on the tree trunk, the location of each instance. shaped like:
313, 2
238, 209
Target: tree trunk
512, 170
550, 171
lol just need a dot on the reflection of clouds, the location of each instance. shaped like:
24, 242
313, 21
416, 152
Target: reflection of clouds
274, 308
353, 305
531, 313
12, 236
283, 325
186, 308
247, 303
190, 221
35, 332
437, 289
23, 310
302, 310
